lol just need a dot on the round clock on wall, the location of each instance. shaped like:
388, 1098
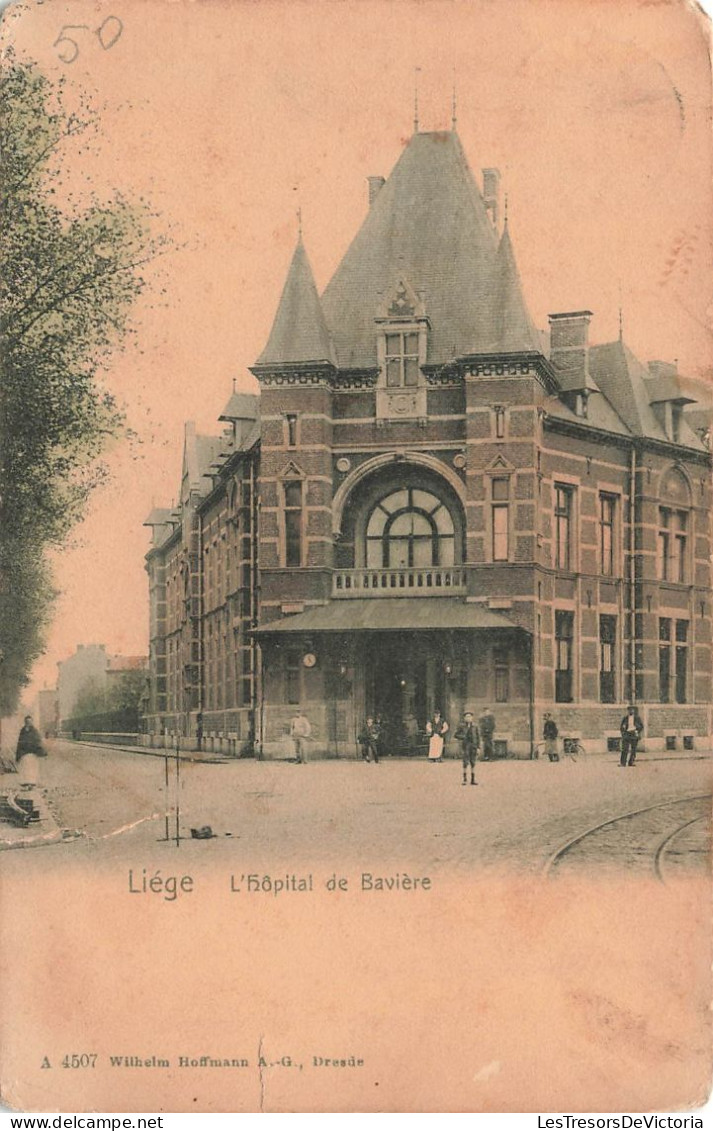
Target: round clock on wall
309, 660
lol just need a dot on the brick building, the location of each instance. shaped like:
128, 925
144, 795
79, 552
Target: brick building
455, 509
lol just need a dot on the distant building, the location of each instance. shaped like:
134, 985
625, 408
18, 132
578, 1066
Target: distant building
437, 506
45, 711
90, 667
86, 666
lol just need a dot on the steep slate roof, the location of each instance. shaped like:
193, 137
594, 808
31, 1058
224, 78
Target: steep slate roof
241, 406
699, 419
515, 331
158, 516
199, 452
428, 226
622, 379
299, 332
626, 383
600, 413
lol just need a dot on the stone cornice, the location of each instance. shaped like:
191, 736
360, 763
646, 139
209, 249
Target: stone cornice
301, 373
348, 379
523, 364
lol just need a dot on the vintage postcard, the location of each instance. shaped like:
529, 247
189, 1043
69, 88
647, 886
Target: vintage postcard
355, 575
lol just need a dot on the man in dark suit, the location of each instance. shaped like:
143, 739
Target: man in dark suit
631, 731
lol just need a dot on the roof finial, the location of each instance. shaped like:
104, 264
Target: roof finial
234, 385
299, 222
454, 117
417, 71
621, 316
505, 212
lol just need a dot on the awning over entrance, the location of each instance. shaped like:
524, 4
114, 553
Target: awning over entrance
398, 614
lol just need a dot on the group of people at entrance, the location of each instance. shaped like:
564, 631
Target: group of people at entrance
470, 735
473, 738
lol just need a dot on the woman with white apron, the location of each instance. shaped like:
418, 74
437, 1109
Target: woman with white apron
436, 729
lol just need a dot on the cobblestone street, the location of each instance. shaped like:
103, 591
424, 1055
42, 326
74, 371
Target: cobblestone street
407, 814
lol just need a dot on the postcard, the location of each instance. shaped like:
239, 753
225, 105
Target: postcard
355, 599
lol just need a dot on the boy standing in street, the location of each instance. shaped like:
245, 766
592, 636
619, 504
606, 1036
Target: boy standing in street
469, 738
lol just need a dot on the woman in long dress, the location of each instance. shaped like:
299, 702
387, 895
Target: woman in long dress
28, 754
436, 729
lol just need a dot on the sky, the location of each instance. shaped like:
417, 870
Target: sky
229, 116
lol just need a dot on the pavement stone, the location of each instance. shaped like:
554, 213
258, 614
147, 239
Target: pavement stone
36, 833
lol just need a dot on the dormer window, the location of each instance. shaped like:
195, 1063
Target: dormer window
401, 359
581, 404
675, 423
402, 347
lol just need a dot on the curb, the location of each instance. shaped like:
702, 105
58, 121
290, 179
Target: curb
37, 835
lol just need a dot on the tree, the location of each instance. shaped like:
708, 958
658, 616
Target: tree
70, 274
91, 699
115, 704
127, 691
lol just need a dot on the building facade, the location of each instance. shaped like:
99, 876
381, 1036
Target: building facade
437, 506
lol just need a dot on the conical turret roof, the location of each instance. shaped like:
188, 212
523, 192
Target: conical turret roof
299, 333
514, 330
427, 227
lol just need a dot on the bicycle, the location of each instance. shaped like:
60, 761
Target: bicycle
571, 748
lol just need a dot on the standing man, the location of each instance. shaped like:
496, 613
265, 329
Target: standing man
300, 731
469, 738
29, 750
631, 731
370, 738
486, 726
549, 733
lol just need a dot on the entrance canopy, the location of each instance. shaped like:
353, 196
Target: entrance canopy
397, 614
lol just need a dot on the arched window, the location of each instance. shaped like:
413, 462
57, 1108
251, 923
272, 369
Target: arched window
410, 527
673, 533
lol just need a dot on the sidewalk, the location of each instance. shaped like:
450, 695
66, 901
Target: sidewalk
208, 757
160, 752
36, 833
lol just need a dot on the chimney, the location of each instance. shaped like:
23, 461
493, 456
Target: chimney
569, 354
375, 186
569, 347
491, 194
